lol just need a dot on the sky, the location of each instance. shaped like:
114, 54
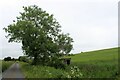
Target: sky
93, 24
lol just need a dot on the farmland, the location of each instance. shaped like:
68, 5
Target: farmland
93, 64
98, 64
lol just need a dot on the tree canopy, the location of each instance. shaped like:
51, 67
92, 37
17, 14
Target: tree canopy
40, 34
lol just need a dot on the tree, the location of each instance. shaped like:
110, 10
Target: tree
40, 35
7, 59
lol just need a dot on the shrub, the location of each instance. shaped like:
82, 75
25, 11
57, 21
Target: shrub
74, 72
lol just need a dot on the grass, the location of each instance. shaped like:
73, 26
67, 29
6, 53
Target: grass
97, 64
93, 56
0, 66
31, 71
6, 65
94, 64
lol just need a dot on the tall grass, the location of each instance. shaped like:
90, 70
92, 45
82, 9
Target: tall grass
0, 66
31, 71
6, 65
98, 70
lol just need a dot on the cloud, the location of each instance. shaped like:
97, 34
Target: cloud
92, 24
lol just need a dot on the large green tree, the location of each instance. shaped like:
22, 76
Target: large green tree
40, 34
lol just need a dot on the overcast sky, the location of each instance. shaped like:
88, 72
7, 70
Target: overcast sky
93, 24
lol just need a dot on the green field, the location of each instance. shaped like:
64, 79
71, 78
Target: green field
97, 64
99, 55
94, 64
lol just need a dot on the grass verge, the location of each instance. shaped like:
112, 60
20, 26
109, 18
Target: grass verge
6, 65
31, 71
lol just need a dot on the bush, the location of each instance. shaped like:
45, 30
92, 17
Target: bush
74, 72
70, 54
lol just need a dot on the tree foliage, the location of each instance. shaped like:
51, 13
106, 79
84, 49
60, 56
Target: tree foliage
7, 59
40, 34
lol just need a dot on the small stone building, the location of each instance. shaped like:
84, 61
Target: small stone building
66, 60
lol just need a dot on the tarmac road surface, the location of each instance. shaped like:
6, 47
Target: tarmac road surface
13, 73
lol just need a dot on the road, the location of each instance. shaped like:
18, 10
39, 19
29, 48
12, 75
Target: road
13, 73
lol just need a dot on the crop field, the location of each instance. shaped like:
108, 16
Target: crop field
93, 64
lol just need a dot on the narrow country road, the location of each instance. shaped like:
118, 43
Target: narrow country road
13, 73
